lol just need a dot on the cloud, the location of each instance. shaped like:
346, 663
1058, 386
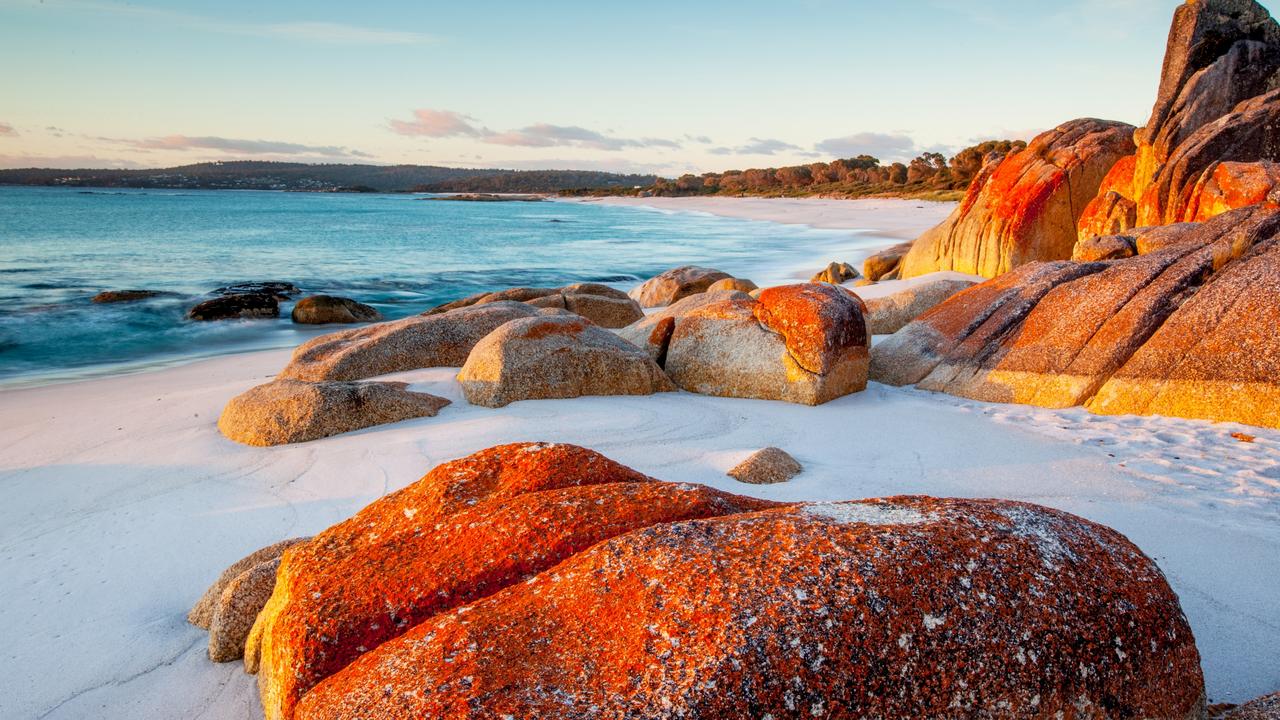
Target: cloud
701, 139
64, 161
6, 130
761, 146
438, 123
238, 146
320, 32
886, 146
548, 135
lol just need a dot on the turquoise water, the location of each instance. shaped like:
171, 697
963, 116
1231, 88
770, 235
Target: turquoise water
61, 246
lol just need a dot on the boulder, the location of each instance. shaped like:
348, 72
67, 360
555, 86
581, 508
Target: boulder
653, 332
120, 296
798, 343
1105, 247
1113, 210
556, 357
202, 614
442, 340
467, 530
836, 274
674, 284
1231, 185
1263, 708
1026, 207
322, 309
765, 467
292, 411
739, 284
890, 313
236, 307
884, 262
1220, 53
238, 608
278, 289
906, 607
601, 304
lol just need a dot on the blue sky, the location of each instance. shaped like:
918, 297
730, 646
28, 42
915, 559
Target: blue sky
652, 86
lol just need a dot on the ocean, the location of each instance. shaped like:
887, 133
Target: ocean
60, 246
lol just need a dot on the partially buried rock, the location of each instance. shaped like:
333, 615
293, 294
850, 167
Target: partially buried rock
836, 273
322, 309
556, 357
442, 340
467, 530
202, 613
739, 284
674, 284
890, 313
293, 411
245, 306
119, 296
766, 466
905, 607
884, 262
799, 343
230, 607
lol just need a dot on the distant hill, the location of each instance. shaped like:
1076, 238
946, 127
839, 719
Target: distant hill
253, 175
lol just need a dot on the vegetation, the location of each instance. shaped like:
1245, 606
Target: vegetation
533, 181
930, 176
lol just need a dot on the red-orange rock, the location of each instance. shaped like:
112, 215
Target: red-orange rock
1232, 185
468, 529
1028, 206
906, 607
822, 324
1113, 210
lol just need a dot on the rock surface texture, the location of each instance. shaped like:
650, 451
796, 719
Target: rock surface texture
441, 340
230, 606
467, 530
601, 304
739, 284
765, 467
322, 309
674, 284
890, 313
1026, 206
561, 356
884, 262
903, 607
293, 411
1186, 329
803, 343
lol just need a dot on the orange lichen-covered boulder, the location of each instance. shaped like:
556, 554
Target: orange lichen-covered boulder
803, 343
906, 607
1025, 208
465, 531
1113, 210
1232, 185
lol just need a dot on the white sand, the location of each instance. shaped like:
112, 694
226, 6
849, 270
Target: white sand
122, 502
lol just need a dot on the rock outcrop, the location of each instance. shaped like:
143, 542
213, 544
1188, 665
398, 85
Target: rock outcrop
442, 340
885, 262
467, 530
556, 357
674, 284
323, 309
799, 343
766, 466
287, 411
1113, 210
1232, 185
1184, 329
900, 608
601, 304
890, 313
836, 273
1025, 207
242, 306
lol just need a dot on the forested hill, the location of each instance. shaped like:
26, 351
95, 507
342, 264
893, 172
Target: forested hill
252, 175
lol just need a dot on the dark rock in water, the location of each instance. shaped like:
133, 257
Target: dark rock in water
242, 305
278, 289
322, 309
119, 296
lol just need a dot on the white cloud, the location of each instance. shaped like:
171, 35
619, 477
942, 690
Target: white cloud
239, 146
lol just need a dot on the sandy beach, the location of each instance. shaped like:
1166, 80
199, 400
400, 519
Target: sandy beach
124, 501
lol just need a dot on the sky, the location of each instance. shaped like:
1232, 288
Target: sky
654, 86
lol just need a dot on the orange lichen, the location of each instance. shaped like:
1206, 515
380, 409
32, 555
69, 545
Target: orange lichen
821, 323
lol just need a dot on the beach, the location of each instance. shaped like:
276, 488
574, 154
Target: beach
125, 502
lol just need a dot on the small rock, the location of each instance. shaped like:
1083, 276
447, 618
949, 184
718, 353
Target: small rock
202, 614
241, 306
836, 273
323, 309
739, 284
119, 296
1243, 437
766, 466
